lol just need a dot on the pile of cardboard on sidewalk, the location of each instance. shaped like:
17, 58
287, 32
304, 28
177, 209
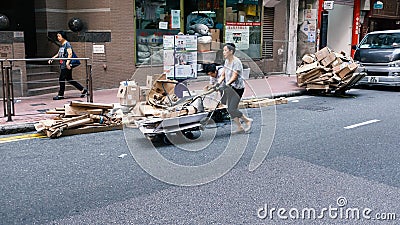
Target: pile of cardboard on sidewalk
327, 70
78, 118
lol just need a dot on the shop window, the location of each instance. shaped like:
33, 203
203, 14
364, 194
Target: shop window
243, 25
154, 19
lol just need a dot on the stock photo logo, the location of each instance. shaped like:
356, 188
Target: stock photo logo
184, 137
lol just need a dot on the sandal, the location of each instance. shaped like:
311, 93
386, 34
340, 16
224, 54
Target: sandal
248, 128
238, 131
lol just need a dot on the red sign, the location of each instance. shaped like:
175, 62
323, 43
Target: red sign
243, 23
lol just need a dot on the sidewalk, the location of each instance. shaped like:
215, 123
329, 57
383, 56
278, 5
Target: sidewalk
30, 110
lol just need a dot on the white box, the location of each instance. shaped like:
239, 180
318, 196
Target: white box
246, 73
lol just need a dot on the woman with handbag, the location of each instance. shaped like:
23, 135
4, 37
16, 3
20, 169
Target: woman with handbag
65, 51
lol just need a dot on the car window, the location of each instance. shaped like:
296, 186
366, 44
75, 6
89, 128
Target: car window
382, 40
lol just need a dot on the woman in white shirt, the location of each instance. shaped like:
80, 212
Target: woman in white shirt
234, 87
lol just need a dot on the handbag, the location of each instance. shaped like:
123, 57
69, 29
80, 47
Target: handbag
74, 62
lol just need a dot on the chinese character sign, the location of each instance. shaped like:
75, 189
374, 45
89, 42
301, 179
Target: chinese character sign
239, 35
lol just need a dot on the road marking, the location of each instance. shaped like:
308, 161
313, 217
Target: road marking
20, 137
361, 124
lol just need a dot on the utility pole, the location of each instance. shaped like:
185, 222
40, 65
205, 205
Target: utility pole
291, 64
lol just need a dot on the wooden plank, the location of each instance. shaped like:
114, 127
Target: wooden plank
317, 86
91, 129
76, 111
54, 112
92, 105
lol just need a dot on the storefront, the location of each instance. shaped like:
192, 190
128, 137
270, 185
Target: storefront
237, 21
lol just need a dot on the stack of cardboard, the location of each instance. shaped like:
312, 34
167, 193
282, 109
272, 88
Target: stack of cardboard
207, 46
327, 70
261, 102
78, 118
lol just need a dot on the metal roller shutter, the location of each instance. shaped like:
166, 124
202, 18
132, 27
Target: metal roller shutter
268, 33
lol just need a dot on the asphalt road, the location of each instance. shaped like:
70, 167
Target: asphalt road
326, 158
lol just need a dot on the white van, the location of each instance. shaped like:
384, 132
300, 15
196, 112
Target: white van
379, 53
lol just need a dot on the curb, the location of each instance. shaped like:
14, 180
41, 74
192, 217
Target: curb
17, 128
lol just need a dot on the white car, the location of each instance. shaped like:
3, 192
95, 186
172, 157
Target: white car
379, 53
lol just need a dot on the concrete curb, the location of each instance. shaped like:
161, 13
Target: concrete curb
17, 128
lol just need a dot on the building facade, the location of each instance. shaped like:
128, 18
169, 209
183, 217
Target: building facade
119, 36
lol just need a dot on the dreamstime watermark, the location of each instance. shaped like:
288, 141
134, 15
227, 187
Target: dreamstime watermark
165, 169
338, 211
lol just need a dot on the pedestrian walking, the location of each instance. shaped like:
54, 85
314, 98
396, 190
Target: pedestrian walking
65, 51
234, 87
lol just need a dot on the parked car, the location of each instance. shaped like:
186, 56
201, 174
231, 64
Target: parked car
379, 54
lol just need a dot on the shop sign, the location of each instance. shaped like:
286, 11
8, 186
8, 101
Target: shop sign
239, 35
378, 5
252, 24
98, 49
328, 5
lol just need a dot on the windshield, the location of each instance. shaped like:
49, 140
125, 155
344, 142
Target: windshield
381, 41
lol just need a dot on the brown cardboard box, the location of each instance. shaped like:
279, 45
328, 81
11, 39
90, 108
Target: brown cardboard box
128, 95
144, 92
229, 9
215, 34
216, 45
337, 62
231, 17
308, 59
349, 68
306, 68
321, 54
150, 80
328, 59
203, 47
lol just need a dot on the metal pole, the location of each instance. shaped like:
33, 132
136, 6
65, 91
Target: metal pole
89, 83
9, 118
12, 90
3, 88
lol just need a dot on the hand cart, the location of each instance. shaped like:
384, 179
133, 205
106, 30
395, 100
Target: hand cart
156, 128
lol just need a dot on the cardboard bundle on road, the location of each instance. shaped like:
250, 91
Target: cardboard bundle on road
328, 71
78, 118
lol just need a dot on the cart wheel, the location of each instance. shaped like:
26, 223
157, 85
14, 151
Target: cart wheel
189, 135
166, 140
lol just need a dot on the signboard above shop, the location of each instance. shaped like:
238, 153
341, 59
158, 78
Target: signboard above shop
328, 5
378, 5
